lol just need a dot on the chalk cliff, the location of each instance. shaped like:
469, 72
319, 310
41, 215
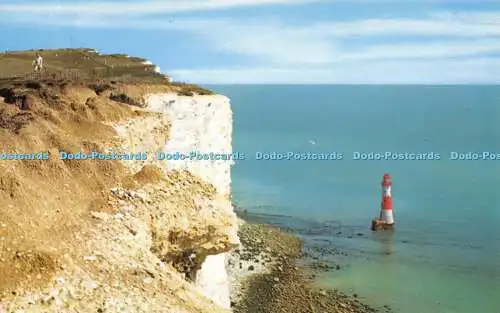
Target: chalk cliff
198, 126
95, 235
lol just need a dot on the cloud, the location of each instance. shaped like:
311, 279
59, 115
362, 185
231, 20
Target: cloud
271, 43
281, 46
459, 24
426, 50
388, 72
139, 7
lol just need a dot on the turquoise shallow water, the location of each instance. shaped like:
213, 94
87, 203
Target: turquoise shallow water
445, 253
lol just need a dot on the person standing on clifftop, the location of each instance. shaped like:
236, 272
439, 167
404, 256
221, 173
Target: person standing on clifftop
38, 62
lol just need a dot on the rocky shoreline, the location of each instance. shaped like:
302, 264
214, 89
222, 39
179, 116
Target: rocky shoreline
267, 277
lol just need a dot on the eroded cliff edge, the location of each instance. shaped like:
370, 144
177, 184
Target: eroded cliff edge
198, 126
109, 235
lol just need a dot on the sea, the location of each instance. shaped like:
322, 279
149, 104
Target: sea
444, 255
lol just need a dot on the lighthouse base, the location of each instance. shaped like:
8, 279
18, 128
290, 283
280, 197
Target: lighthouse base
380, 225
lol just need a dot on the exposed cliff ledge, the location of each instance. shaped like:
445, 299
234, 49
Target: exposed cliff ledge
109, 235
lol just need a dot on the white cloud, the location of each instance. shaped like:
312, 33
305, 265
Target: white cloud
139, 7
436, 24
280, 46
425, 50
271, 43
389, 72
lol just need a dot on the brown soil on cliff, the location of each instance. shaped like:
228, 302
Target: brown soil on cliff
149, 174
47, 201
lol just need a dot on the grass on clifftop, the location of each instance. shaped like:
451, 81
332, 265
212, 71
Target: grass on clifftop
77, 66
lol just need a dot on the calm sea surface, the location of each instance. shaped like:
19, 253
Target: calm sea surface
445, 253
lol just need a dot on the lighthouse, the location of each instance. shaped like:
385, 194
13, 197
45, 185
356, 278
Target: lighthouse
386, 206
386, 219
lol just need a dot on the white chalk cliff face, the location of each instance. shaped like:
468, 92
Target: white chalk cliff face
202, 124
199, 124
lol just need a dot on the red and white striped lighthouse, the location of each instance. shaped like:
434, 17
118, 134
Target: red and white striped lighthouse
386, 215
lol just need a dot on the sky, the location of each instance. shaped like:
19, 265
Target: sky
275, 41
